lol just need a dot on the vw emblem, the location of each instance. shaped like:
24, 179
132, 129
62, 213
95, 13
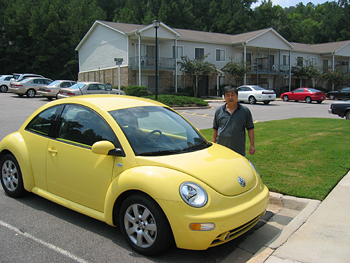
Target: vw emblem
241, 181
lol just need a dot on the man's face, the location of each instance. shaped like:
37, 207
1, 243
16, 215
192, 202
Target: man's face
231, 97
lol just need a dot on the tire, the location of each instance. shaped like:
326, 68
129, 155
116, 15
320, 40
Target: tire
252, 100
3, 88
11, 176
331, 97
148, 232
285, 98
308, 100
31, 93
347, 115
266, 102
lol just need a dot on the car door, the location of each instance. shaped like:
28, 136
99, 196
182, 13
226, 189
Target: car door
92, 89
345, 93
74, 172
243, 93
298, 94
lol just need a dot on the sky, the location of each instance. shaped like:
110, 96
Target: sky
288, 3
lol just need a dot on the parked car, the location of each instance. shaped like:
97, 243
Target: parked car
5, 82
343, 94
84, 88
306, 94
341, 108
50, 91
254, 93
28, 86
129, 162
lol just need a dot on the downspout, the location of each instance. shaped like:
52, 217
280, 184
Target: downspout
257, 65
140, 70
245, 61
279, 71
217, 85
333, 69
268, 69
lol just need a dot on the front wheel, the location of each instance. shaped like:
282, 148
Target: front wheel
3, 88
31, 93
308, 100
11, 176
331, 97
285, 98
144, 225
347, 116
252, 100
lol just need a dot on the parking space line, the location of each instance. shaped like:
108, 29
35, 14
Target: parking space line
48, 245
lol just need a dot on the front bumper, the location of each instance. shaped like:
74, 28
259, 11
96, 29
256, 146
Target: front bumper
232, 216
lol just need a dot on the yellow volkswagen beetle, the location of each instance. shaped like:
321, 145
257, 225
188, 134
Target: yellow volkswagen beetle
138, 164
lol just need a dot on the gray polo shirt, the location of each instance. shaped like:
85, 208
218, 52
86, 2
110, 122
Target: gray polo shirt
231, 128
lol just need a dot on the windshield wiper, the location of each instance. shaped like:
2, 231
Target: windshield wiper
200, 146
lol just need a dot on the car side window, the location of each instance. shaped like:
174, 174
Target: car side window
93, 87
101, 87
43, 122
83, 126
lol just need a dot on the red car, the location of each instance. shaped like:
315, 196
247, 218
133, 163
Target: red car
307, 94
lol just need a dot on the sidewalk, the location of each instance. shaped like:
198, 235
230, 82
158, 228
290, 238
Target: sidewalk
301, 231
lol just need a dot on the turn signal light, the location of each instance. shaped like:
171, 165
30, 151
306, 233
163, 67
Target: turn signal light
202, 226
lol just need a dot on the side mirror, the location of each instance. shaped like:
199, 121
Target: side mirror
106, 148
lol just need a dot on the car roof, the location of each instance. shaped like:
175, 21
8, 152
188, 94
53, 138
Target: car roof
108, 102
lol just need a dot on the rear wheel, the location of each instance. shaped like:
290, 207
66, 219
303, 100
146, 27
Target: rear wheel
285, 98
31, 93
252, 100
144, 225
308, 100
3, 88
11, 176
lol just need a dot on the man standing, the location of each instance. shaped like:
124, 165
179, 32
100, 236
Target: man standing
230, 122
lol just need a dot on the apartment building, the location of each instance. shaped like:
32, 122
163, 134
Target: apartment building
270, 56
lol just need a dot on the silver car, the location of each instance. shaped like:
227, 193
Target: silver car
28, 86
83, 88
254, 93
50, 91
5, 82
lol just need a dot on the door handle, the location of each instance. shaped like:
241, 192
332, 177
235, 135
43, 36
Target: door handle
53, 151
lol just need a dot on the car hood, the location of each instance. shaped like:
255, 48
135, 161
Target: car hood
216, 166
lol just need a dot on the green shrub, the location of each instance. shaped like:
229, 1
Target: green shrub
179, 101
138, 91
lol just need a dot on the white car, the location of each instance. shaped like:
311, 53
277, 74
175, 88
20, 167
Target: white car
5, 82
254, 93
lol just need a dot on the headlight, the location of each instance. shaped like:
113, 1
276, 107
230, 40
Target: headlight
193, 194
254, 168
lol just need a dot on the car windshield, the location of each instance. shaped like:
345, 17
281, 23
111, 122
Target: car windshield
257, 88
155, 131
54, 83
313, 90
77, 86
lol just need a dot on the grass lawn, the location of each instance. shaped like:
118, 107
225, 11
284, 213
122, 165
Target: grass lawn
302, 157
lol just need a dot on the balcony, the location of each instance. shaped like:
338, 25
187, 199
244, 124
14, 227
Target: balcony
150, 63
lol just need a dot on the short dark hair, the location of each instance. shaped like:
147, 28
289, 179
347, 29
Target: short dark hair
229, 88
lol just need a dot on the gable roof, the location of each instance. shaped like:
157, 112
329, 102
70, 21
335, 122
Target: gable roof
324, 48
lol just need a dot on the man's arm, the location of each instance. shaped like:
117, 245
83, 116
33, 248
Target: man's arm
251, 139
215, 134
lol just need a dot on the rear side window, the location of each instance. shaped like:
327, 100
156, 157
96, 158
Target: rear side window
43, 122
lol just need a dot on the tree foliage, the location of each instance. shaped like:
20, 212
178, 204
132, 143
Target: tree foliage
40, 36
237, 70
197, 68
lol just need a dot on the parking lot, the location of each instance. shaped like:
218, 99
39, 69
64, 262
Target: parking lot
36, 230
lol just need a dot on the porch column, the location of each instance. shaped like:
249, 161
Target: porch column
245, 61
257, 66
175, 44
268, 69
290, 71
279, 70
333, 69
217, 84
140, 70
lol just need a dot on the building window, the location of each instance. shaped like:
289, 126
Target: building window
198, 52
240, 57
285, 60
180, 52
300, 61
220, 55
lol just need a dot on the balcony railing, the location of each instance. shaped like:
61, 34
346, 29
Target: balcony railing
150, 63
272, 68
